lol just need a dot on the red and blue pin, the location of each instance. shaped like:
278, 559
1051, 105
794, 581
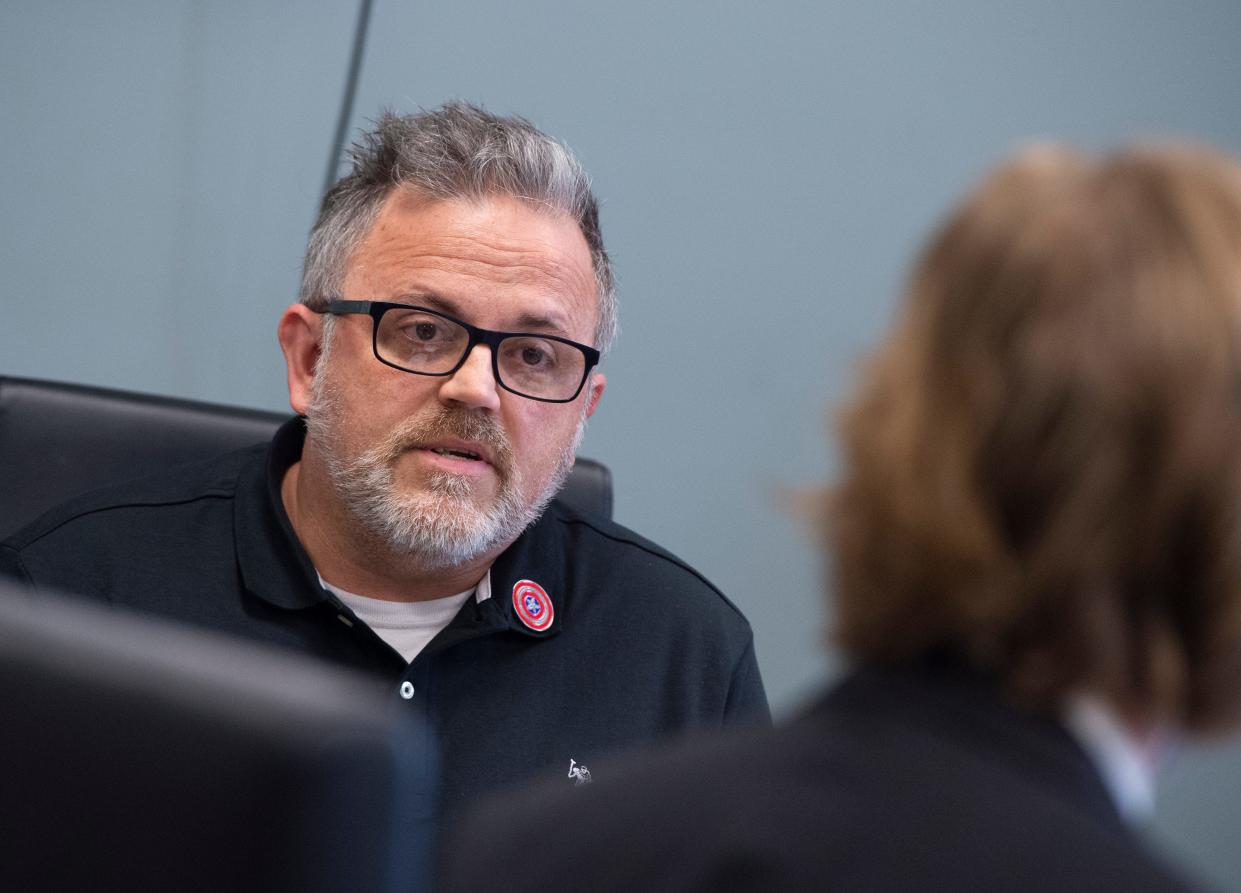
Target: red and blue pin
532, 604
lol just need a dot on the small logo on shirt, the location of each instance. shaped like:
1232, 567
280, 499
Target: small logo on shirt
532, 604
579, 773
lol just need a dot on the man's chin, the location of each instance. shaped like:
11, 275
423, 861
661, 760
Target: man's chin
442, 531
436, 484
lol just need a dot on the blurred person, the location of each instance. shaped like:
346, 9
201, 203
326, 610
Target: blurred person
1036, 550
456, 301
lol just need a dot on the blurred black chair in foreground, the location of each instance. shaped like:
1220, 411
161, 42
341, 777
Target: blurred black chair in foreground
60, 440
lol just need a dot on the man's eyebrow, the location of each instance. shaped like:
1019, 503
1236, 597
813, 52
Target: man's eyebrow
430, 300
526, 322
533, 322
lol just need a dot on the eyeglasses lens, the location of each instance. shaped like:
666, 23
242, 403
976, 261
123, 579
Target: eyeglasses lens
425, 342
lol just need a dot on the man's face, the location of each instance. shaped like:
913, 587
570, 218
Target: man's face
450, 468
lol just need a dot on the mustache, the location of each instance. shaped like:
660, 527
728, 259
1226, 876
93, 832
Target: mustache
448, 422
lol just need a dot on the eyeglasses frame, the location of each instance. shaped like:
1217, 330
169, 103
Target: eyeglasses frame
376, 309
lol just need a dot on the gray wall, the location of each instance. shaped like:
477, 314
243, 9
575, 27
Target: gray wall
766, 171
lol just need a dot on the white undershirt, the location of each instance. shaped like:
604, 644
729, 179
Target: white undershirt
408, 626
1128, 771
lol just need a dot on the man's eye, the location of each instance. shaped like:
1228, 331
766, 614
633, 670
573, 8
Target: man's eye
535, 356
425, 331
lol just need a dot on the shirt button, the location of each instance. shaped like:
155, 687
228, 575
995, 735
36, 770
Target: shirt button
407, 690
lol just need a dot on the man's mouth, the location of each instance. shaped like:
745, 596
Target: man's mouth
459, 454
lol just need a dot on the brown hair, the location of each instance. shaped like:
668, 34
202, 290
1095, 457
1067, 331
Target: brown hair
1042, 464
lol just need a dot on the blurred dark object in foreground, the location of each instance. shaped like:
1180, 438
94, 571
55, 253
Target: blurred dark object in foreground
142, 756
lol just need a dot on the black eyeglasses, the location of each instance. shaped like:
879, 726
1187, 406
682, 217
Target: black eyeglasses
427, 342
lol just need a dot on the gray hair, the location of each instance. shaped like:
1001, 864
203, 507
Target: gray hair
458, 151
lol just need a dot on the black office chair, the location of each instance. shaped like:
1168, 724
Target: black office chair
60, 440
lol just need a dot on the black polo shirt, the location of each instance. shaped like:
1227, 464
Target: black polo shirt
641, 646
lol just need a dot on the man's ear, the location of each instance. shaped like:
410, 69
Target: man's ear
300, 333
598, 382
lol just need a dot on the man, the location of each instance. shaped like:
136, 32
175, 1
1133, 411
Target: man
456, 301
1037, 555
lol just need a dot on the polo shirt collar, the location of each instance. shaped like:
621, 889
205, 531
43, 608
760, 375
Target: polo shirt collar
272, 562
531, 570
276, 568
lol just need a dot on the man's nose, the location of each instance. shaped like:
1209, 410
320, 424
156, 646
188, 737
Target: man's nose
474, 384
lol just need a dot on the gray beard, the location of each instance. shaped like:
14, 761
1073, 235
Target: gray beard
439, 526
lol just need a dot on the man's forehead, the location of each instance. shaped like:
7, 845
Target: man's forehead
496, 220
451, 249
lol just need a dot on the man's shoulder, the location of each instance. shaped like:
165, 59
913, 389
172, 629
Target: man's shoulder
799, 807
149, 500
618, 555
640, 818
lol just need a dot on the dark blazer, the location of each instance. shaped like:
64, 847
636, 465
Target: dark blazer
894, 781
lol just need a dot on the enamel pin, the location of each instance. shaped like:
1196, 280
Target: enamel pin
532, 604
